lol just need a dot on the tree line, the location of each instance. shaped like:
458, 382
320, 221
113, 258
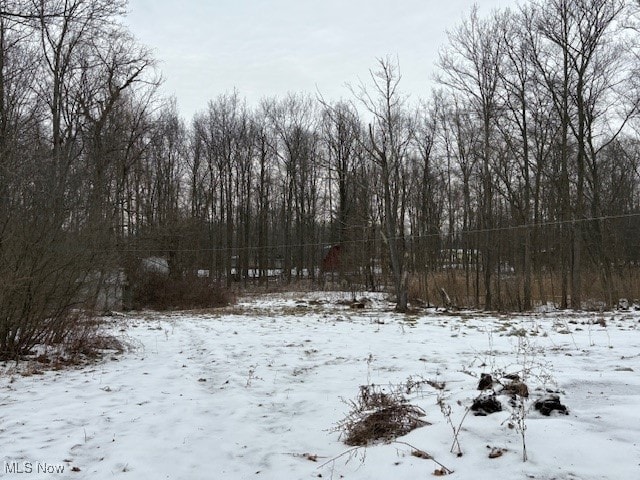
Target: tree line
513, 183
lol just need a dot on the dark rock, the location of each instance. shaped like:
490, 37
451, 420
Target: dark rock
486, 381
514, 377
548, 404
486, 405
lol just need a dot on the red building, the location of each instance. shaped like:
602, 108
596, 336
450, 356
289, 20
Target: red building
331, 261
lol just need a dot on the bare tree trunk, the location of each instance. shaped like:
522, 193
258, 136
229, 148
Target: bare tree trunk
388, 141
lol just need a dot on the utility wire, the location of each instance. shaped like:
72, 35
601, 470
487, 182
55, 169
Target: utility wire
363, 241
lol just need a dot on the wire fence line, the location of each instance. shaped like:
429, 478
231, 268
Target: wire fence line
363, 241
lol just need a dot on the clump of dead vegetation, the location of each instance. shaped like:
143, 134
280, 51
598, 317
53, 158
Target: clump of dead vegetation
161, 292
93, 343
379, 415
89, 342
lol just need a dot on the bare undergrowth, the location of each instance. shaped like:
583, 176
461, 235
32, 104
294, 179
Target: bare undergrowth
379, 415
83, 347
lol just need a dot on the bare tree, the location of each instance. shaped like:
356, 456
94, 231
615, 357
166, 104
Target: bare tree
387, 143
471, 66
292, 121
427, 194
341, 134
52, 53
577, 38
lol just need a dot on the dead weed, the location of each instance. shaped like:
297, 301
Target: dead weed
377, 415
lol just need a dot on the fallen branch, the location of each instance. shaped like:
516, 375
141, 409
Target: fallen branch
333, 459
312, 457
426, 456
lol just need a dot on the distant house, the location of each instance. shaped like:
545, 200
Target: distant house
332, 261
103, 291
157, 265
110, 295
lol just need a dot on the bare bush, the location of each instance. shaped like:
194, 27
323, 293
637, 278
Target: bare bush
91, 341
378, 415
43, 295
160, 292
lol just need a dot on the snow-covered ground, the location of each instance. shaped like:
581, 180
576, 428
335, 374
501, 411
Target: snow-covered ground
255, 391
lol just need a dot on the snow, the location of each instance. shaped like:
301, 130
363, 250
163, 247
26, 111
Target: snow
255, 391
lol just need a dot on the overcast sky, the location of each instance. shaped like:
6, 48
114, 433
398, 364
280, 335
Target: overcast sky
271, 47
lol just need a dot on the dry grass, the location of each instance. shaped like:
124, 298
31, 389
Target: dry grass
82, 347
159, 292
275, 285
379, 416
93, 344
465, 291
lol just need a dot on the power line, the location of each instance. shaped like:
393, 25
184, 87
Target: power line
363, 241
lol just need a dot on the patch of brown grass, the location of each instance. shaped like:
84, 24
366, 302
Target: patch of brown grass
159, 292
598, 291
94, 344
379, 416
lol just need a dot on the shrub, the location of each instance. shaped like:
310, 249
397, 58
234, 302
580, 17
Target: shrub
43, 298
161, 292
378, 415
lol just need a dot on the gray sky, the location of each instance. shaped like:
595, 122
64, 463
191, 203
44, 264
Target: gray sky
271, 47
